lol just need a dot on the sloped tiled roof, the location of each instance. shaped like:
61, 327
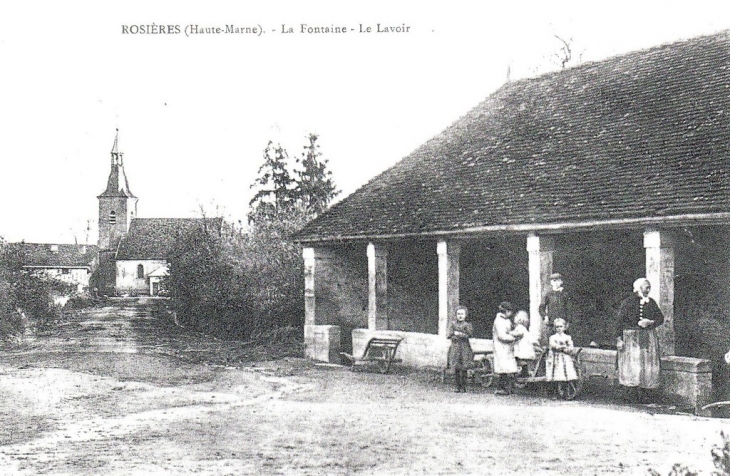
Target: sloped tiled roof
117, 184
153, 238
50, 255
646, 134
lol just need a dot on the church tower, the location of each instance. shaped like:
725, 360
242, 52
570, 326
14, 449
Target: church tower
117, 205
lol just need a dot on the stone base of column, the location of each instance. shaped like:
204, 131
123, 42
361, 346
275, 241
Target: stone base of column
322, 343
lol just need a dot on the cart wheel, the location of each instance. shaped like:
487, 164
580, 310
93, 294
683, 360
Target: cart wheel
485, 374
383, 366
569, 390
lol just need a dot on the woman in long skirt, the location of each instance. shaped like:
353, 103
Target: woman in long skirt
637, 343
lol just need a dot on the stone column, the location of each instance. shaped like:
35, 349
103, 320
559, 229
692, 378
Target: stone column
448, 256
310, 310
321, 339
659, 247
540, 264
377, 286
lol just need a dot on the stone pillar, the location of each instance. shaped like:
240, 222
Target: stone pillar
540, 264
321, 339
377, 286
310, 311
659, 247
448, 256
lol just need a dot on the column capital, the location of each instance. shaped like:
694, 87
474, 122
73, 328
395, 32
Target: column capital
654, 238
447, 246
537, 243
308, 253
377, 250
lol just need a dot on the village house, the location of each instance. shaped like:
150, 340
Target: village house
72, 264
134, 253
604, 172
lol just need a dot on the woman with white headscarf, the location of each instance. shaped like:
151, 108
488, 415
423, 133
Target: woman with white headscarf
636, 341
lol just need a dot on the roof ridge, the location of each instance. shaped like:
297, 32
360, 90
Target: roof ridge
625, 136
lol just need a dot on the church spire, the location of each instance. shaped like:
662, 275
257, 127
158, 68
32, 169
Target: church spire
117, 157
117, 185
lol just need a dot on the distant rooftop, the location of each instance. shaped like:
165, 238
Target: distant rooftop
153, 238
50, 255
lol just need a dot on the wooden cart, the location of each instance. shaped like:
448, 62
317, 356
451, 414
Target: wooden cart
380, 351
567, 390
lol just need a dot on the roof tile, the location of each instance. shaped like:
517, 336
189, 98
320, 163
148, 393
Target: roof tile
645, 134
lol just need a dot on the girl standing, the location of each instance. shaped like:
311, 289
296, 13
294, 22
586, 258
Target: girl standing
460, 353
560, 366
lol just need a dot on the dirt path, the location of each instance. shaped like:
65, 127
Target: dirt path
117, 391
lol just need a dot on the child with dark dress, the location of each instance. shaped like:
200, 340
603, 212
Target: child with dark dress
461, 355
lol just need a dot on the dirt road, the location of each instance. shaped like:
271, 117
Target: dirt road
118, 391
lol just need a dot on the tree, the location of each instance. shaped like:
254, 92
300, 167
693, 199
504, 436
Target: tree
246, 283
564, 55
315, 188
25, 298
274, 182
310, 188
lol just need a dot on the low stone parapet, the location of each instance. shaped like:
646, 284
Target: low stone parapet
687, 380
599, 363
322, 343
684, 380
416, 349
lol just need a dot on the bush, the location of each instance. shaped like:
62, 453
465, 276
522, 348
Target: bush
25, 299
237, 284
81, 301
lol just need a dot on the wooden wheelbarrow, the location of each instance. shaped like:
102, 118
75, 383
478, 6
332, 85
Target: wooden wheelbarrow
380, 351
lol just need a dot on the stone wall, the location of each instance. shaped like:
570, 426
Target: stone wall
702, 299
341, 289
413, 287
685, 381
416, 349
599, 269
127, 280
492, 271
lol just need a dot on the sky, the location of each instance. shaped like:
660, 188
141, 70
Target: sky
195, 111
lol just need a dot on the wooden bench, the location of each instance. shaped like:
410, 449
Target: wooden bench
379, 350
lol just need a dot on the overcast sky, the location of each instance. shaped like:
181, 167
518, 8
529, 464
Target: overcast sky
195, 112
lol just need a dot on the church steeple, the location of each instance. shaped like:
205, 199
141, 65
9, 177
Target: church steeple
115, 149
117, 185
117, 204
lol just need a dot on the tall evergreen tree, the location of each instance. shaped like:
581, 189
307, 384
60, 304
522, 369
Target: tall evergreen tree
315, 188
274, 183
